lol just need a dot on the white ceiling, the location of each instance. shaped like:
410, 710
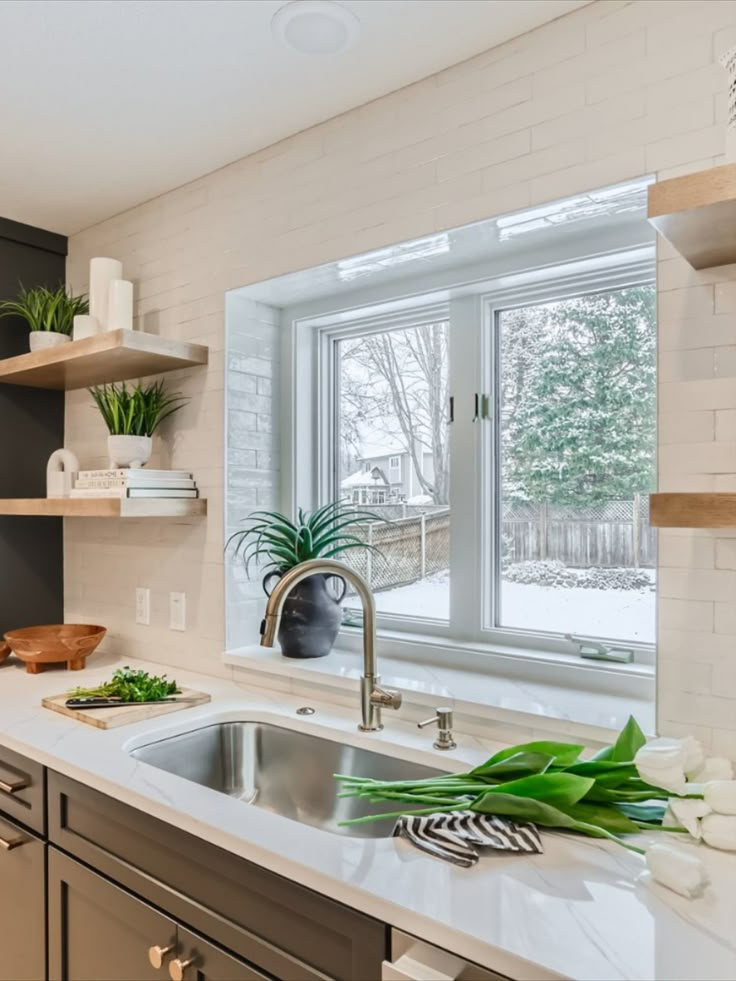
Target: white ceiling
107, 103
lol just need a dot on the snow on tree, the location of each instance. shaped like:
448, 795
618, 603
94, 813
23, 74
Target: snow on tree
578, 388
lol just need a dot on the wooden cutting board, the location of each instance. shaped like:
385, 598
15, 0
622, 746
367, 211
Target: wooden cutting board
111, 718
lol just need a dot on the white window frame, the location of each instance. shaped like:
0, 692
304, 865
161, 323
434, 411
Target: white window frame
309, 465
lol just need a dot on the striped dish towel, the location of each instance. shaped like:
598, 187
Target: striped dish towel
453, 836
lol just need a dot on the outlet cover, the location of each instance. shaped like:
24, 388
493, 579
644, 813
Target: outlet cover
178, 611
143, 606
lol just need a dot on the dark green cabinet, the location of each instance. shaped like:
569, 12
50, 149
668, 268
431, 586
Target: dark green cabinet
22, 904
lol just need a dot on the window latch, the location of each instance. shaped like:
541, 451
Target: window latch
595, 651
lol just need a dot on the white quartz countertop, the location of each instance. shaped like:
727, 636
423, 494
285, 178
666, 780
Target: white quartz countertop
582, 910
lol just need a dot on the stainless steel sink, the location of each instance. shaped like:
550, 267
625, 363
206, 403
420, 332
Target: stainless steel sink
282, 770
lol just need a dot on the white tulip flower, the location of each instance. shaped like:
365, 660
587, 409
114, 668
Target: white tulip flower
683, 813
720, 795
677, 869
661, 763
719, 831
694, 755
714, 768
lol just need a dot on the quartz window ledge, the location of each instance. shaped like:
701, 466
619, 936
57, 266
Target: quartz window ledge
547, 693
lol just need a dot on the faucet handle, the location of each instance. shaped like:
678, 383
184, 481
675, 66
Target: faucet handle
386, 697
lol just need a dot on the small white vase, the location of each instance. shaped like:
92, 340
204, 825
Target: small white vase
85, 326
41, 340
129, 451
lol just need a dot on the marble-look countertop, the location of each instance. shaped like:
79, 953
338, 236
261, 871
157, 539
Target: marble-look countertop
582, 910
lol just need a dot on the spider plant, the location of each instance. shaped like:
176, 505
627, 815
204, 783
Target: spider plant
326, 533
137, 411
46, 310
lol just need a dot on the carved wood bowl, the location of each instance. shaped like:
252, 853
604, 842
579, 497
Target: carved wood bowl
65, 642
4, 652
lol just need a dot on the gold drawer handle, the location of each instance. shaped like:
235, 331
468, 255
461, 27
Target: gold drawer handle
177, 968
13, 785
157, 955
12, 841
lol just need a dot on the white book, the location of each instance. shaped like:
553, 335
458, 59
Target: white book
154, 492
103, 483
138, 492
126, 472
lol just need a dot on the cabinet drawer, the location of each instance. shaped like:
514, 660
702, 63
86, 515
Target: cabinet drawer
280, 927
22, 904
22, 792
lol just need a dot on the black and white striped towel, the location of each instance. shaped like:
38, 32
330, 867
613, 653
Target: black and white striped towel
452, 836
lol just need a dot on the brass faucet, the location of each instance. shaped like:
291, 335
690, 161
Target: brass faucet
372, 697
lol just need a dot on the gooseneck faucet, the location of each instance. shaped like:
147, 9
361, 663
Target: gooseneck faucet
372, 696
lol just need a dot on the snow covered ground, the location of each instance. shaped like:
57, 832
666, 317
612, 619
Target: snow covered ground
617, 613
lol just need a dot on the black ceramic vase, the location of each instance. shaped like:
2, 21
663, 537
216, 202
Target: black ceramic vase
311, 616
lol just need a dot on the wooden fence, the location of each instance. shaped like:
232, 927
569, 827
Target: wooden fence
613, 534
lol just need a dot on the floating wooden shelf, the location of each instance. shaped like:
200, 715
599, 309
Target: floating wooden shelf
113, 356
692, 510
697, 215
103, 507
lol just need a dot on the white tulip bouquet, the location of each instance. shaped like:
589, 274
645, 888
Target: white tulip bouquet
631, 787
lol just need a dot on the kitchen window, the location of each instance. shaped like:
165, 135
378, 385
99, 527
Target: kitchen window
524, 419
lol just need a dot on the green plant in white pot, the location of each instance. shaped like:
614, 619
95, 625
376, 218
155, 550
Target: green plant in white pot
49, 314
132, 416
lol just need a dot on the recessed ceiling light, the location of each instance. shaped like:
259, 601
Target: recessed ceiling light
316, 27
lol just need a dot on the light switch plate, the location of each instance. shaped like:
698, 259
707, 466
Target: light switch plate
143, 606
178, 611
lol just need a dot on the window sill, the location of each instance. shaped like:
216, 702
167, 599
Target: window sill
592, 710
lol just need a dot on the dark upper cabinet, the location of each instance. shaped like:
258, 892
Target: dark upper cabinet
31, 428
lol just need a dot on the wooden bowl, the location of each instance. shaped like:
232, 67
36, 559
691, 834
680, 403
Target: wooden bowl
4, 652
66, 642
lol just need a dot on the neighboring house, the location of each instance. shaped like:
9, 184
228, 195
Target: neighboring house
386, 479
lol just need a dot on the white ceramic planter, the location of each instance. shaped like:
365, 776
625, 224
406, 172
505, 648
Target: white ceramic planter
129, 451
41, 340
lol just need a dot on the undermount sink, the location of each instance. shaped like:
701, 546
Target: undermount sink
282, 770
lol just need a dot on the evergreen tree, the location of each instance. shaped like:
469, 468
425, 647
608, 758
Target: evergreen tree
578, 381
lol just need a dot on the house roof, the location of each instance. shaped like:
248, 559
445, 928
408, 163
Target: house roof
362, 479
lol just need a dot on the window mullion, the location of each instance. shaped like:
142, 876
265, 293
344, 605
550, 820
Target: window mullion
465, 504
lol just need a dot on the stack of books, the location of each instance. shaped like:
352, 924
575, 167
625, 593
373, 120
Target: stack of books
134, 483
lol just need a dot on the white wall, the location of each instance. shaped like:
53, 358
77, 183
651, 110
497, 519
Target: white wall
612, 91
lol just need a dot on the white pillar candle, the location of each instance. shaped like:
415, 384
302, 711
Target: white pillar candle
120, 305
101, 272
85, 326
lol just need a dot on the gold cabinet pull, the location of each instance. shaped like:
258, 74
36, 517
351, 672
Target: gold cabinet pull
177, 968
13, 840
12, 785
157, 955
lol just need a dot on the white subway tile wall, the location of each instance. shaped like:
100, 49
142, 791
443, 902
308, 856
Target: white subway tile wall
609, 92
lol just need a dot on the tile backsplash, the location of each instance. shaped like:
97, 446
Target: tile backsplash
612, 91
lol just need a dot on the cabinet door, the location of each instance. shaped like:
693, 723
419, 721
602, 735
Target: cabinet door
199, 960
22, 905
99, 932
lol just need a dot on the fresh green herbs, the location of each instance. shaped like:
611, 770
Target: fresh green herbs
137, 411
131, 686
326, 533
46, 310
543, 782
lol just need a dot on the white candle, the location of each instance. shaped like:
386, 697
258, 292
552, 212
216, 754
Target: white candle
120, 305
85, 326
101, 272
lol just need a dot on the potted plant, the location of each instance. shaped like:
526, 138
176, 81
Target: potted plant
132, 415
311, 616
49, 314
